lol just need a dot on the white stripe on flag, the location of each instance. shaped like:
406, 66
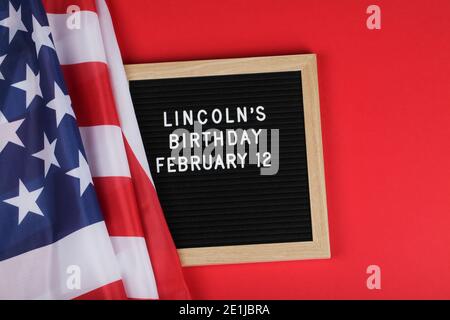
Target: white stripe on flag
43, 273
119, 82
105, 151
88, 44
135, 267
77, 45
104, 145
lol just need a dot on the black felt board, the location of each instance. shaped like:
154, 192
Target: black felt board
236, 206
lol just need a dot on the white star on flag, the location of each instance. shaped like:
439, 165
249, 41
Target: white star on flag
26, 201
83, 173
2, 118
13, 22
1, 61
8, 132
48, 155
41, 36
30, 85
61, 104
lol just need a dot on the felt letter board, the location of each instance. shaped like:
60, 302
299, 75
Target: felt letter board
235, 152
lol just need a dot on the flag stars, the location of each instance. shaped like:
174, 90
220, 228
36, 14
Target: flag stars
26, 201
30, 85
61, 104
48, 155
2, 118
41, 36
83, 173
2, 58
8, 132
14, 22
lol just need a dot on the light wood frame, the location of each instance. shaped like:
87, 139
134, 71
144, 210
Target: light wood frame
319, 248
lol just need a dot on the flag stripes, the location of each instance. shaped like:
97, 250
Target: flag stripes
43, 273
97, 84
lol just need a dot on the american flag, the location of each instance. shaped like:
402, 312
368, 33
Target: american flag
79, 216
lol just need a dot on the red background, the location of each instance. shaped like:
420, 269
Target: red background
385, 102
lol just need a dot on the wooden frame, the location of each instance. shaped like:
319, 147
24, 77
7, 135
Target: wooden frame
319, 247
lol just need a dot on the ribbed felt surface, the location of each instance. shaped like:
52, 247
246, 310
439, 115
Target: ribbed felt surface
235, 206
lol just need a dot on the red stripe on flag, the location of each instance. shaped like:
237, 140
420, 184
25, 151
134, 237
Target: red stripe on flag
112, 291
60, 6
118, 203
90, 90
163, 254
